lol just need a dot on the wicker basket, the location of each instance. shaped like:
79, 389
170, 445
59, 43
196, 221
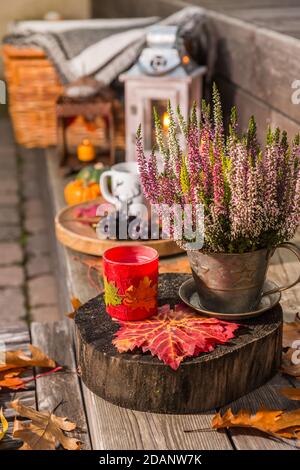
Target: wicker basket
33, 87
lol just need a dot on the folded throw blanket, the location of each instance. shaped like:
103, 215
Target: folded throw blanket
102, 48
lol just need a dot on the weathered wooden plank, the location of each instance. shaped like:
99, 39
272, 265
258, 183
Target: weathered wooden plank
120, 8
260, 61
230, 6
112, 427
14, 335
10, 444
264, 397
247, 105
267, 14
60, 391
286, 26
282, 272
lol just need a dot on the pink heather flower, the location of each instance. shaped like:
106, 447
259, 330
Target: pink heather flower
143, 165
205, 162
292, 220
255, 211
270, 168
153, 179
193, 145
238, 185
251, 196
218, 184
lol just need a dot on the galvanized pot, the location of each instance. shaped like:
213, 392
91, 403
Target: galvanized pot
233, 283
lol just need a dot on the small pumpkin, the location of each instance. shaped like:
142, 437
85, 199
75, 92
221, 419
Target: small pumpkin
92, 173
80, 190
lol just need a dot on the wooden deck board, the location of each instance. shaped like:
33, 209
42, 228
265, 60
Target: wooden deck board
118, 428
14, 337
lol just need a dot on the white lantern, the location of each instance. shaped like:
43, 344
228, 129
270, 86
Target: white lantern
164, 72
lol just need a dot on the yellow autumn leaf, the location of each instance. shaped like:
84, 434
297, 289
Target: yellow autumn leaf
4, 425
275, 422
111, 293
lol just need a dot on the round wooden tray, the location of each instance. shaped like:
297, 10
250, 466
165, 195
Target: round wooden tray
142, 382
83, 238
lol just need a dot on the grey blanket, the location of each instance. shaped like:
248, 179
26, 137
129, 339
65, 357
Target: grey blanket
101, 49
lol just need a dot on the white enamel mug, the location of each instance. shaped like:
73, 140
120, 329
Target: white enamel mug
125, 187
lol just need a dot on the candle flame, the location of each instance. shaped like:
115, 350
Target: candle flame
166, 120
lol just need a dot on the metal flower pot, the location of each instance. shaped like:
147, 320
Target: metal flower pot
233, 283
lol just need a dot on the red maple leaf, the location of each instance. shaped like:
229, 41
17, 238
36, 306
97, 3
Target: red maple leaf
173, 335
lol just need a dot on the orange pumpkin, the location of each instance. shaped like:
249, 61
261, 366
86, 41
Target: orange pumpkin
78, 191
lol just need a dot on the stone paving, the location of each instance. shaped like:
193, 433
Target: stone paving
28, 290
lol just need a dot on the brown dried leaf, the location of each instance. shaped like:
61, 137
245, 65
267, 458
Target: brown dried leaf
275, 422
291, 393
17, 359
44, 431
75, 304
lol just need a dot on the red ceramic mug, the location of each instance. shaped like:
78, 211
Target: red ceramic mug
130, 281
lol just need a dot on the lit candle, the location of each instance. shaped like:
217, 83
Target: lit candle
166, 121
86, 151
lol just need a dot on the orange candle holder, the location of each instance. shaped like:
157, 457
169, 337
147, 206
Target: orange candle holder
86, 151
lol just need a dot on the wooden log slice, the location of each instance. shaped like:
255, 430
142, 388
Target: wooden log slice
142, 382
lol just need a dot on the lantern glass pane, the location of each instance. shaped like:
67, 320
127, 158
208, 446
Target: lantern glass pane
161, 107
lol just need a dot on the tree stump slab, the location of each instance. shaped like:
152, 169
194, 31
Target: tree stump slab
142, 382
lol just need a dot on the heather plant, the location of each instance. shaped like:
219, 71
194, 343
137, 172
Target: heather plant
250, 193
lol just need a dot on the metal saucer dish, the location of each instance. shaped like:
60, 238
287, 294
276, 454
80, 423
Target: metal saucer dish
189, 295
